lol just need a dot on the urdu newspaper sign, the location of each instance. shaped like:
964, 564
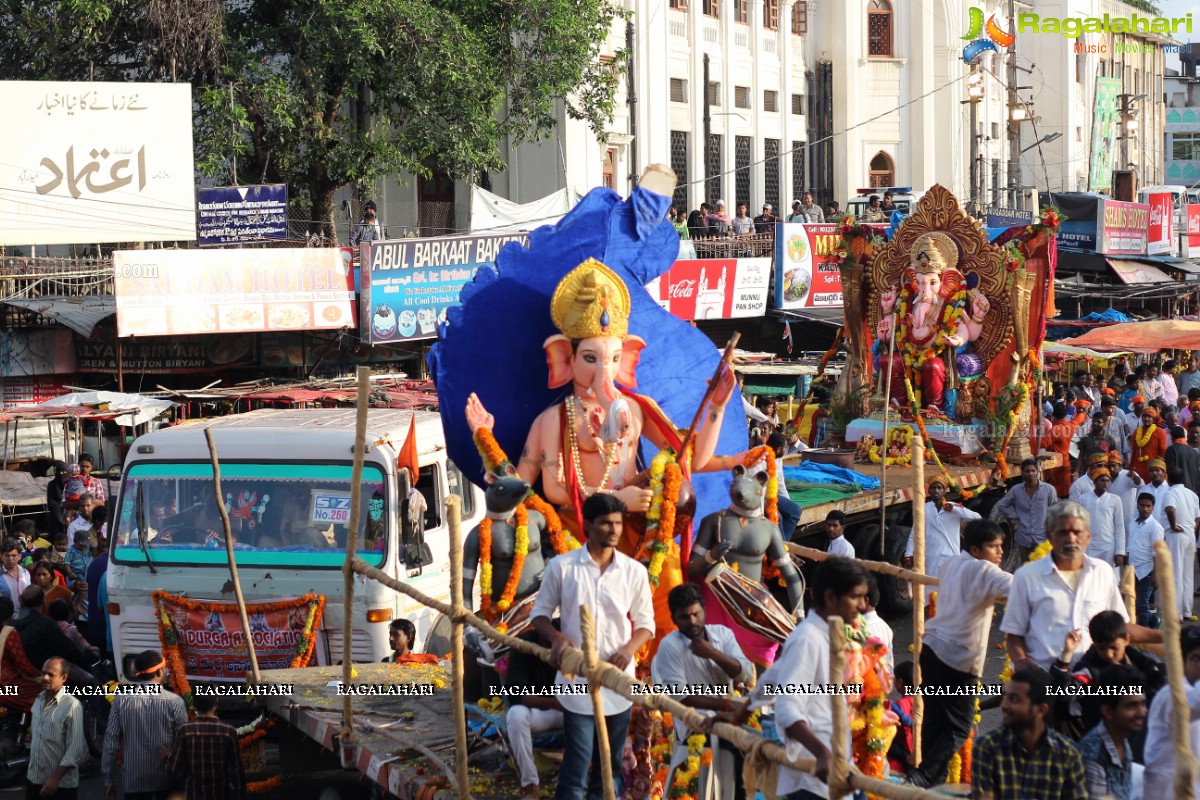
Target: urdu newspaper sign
96, 162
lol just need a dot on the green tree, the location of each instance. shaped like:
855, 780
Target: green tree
322, 94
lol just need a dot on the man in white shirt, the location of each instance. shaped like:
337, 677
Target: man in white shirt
15, 578
1183, 520
1060, 593
835, 525
708, 656
1159, 779
956, 642
805, 720
1125, 484
1159, 487
1108, 520
943, 527
1143, 532
617, 590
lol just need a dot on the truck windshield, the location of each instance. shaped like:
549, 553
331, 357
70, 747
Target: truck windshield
280, 514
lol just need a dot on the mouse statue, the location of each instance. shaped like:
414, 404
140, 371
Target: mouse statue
505, 551
741, 537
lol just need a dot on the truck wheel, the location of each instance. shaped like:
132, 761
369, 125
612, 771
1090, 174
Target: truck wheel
895, 595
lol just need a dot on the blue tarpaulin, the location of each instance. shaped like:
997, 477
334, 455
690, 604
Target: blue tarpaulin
1055, 333
810, 472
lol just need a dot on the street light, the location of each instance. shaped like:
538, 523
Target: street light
1019, 113
1049, 137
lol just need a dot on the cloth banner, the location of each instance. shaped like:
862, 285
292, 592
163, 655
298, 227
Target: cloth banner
492, 213
209, 639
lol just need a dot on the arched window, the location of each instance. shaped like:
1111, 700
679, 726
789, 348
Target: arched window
883, 171
879, 28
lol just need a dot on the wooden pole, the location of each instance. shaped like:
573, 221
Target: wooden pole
574, 663
1129, 591
233, 570
726, 358
454, 517
918, 530
880, 567
588, 628
1168, 605
839, 767
883, 445
360, 439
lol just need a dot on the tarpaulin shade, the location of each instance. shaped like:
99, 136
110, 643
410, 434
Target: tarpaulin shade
1131, 272
1142, 337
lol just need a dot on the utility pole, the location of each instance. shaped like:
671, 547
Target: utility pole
707, 131
975, 93
631, 97
1014, 125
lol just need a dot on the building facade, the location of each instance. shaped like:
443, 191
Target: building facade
1182, 140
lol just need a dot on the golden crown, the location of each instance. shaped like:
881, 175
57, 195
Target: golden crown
933, 253
591, 300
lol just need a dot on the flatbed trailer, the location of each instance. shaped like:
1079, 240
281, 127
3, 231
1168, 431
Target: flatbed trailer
900, 486
386, 727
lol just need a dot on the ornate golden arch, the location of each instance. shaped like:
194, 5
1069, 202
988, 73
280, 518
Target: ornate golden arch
938, 210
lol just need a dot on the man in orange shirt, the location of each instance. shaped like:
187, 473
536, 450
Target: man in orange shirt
1147, 443
1059, 441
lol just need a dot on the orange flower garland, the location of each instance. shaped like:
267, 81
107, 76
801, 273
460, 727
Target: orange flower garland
255, 787
520, 550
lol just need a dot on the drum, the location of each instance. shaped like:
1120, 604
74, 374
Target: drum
518, 620
750, 603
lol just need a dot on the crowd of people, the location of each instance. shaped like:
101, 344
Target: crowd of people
713, 221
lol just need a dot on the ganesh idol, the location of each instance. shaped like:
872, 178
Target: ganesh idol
936, 316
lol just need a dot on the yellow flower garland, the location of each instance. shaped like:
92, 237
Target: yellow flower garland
666, 481
899, 436
1141, 440
520, 550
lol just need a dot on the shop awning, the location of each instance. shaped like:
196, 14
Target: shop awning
1131, 272
1062, 350
1141, 337
80, 314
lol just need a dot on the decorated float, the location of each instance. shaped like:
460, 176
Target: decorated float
943, 334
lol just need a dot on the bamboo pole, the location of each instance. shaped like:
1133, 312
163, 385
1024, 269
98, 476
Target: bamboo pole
587, 627
839, 766
873, 566
573, 662
454, 517
360, 438
255, 675
1185, 761
1129, 591
918, 530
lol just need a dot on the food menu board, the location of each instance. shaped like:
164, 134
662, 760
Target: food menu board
806, 266
168, 292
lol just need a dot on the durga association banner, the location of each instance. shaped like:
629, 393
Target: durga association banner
207, 636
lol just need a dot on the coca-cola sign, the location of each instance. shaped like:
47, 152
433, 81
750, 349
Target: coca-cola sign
1193, 225
1161, 234
714, 288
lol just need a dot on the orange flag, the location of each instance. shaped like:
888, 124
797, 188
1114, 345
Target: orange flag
408, 453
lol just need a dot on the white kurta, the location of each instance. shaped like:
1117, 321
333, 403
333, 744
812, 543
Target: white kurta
943, 536
1183, 544
1108, 526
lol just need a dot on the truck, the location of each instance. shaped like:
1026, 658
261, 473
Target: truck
285, 476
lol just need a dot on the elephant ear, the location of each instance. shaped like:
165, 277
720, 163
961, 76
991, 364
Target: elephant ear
559, 353
631, 354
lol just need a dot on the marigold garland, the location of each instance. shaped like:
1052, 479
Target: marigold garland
899, 442
255, 787
770, 572
666, 483
169, 636
520, 551
951, 484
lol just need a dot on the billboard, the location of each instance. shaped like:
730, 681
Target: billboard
1123, 228
1193, 225
1105, 121
168, 292
1161, 235
96, 162
412, 282
714, 288
235, 214
806, 266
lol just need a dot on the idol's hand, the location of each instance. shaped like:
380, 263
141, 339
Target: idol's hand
478, 416
635, 498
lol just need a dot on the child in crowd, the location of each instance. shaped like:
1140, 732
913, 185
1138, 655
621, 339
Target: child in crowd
902, 744
74, 487
1110, 647
835, 525
79, 557
58, 551
60, 612
98, 535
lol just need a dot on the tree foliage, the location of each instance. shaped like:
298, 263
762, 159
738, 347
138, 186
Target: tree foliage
321, 94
